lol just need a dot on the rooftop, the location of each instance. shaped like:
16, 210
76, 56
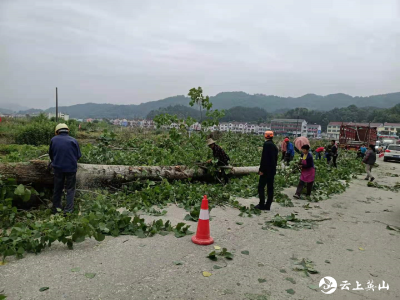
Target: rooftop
288, 120
393, 124
355, 124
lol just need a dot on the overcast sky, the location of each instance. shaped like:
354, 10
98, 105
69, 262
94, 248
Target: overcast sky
130, 52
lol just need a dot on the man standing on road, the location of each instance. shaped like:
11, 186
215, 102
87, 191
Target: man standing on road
369, 161
267, 171
64, 153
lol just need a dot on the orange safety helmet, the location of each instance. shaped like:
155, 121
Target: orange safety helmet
269, 134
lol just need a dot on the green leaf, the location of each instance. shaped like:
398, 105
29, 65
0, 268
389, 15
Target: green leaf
212, 255
99, 237
42, 289
290, 291
313, 286
291, 280
178, 263
75, 269
245, 252
282, 271
90, 275
239, 223
262, 280
350, 250
327, 261
320, 243
215, 267
3, 297
20, 190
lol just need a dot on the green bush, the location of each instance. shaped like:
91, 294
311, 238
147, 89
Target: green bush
40, 132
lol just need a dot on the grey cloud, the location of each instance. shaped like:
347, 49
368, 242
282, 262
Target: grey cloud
138, 51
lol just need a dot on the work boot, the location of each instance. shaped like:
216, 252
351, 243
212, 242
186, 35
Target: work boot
261, 207
372, 179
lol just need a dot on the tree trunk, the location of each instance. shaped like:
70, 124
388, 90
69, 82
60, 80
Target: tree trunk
90, 175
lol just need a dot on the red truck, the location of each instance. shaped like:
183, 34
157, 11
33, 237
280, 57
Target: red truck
352, 136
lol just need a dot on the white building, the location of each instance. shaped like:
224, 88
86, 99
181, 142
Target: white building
65, 117
313, 130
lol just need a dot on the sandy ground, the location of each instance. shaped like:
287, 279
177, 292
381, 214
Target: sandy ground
131, 268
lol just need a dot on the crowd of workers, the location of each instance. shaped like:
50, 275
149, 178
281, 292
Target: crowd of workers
64, 154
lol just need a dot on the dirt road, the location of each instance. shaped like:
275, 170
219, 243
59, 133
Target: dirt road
354, 245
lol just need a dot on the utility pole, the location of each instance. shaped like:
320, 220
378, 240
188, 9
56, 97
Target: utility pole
56, 104
297, 125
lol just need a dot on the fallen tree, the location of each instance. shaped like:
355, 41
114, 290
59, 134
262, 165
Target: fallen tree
36, 171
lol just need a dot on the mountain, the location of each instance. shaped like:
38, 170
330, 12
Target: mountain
237, 113
6, 111
113, 111
228, 100
13, 107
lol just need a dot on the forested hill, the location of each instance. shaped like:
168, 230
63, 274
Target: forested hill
237, 113
228, 100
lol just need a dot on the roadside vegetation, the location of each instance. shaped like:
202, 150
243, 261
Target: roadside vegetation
26, 223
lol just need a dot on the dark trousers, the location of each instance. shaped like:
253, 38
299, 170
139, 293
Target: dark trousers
288, 159
269, 182
283, 155
328, 157
221, 175
334, 158
69, 181
300, 187
317, 155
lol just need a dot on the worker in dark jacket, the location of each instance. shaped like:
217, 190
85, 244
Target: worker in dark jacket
369, 161
267, 171
222, 157
334, 153
64, 153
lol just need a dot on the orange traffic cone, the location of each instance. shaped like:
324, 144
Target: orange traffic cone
202, 236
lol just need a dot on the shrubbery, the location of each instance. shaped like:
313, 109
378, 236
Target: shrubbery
40, 131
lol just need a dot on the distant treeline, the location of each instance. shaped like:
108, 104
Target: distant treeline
351, 113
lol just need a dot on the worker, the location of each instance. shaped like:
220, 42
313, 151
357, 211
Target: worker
222, 157
334, 153
307, 176
64, 154
318, 152
267, 171
331, 153
363, 150
369, 161
289, 151
283, 148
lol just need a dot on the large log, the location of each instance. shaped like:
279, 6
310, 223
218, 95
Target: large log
37, 172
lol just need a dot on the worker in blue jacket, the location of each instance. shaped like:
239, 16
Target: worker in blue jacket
289, 151
64, 153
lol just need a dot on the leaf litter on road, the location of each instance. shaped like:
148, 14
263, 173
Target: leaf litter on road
206, 274
90, 275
